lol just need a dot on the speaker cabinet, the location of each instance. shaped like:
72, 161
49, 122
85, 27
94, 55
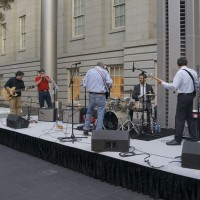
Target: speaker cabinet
47, 114
191, 155
16, 122
110, 140
67, 115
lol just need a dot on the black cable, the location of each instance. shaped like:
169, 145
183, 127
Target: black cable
146, 160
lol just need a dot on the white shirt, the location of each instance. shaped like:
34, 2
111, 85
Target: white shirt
182, 81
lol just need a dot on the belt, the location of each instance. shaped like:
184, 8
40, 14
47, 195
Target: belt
43, 90
95, 93
186, 93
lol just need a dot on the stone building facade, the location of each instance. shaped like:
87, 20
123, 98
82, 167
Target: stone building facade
116, 32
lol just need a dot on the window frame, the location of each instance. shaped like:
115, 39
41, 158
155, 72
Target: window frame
22, 27
114, 7
3, 38
76, 16
120, 76
76, 76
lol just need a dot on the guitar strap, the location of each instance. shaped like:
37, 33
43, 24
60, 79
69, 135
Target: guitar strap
190, 76
104, 80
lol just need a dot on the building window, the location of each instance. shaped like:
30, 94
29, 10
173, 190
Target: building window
22, 32
119, 13
76, 85
78, 17
1, 82
3, 38
117, 75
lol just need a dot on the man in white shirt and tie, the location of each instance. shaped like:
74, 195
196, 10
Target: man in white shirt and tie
184, 85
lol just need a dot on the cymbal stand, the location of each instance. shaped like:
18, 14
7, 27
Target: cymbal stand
142, 127
130, 125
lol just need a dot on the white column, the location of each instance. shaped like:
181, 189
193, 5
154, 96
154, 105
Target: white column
49, 37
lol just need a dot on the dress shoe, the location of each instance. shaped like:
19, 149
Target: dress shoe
173, 142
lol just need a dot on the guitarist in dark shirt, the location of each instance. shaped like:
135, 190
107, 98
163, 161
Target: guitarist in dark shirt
14, 86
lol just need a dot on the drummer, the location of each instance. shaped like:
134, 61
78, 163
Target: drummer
144, 93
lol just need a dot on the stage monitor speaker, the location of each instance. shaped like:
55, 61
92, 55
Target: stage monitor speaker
67, 115
16, 122
110, 140
191, 155
47, 114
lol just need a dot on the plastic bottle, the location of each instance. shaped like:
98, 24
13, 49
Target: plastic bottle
155, 128
159, 129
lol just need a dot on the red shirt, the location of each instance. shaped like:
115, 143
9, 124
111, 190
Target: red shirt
44, 84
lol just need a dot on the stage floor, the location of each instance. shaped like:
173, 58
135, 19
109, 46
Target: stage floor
160, 154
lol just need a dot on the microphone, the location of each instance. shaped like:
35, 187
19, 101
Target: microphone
133, 67
77, 63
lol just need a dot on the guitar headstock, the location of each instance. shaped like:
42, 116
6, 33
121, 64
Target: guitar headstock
151, 75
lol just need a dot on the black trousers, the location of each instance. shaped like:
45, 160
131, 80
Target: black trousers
184, 110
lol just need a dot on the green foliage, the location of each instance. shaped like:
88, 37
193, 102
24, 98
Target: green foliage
4, 6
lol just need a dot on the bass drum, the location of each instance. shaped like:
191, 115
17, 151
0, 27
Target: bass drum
113, 120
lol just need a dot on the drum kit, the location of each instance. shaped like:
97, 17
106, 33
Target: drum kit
117, 115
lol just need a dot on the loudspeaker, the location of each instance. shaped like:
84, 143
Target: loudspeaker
17, 122
110, 140
67, 115
47, 114
191, 155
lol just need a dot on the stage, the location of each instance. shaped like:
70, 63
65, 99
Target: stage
166, 179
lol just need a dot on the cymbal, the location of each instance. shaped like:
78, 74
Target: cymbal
128, 91
149, 95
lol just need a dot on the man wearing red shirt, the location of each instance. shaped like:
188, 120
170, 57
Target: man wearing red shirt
42, 82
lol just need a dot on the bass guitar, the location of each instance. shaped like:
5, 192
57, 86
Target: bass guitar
6, 94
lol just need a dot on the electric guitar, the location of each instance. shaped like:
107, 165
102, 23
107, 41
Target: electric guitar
154, 77
6, 95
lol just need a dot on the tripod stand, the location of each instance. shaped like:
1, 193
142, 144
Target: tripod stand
130, 125
72, 91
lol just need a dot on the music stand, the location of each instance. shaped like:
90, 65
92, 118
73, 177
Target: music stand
29, 109
72, 137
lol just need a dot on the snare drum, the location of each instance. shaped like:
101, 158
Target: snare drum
113, 120
138, 106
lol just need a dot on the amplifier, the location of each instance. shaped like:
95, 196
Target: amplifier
47, 114
110, 140
67, 115
191, 155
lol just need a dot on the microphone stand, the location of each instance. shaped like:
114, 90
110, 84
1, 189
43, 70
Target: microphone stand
143, 72
72, 90
142, 128
198, 106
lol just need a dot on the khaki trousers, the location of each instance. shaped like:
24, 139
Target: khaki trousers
15, 106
